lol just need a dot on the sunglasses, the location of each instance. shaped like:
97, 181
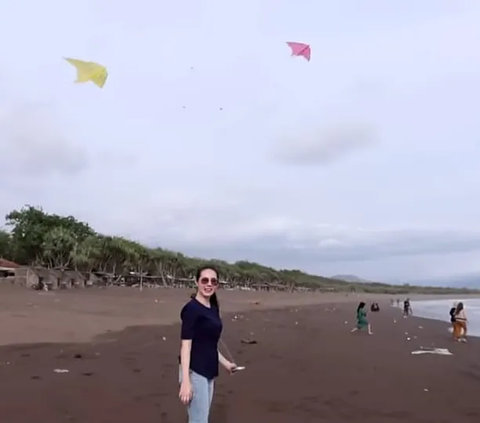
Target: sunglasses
205, 281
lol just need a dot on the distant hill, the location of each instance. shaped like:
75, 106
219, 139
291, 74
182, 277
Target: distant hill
471, 281
349, 278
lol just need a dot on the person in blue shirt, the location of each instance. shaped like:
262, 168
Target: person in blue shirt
199, 355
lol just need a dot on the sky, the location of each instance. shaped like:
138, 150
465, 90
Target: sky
211, 139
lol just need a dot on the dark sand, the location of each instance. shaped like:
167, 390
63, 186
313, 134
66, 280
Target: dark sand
307, 367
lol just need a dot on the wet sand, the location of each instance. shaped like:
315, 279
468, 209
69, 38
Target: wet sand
306, 366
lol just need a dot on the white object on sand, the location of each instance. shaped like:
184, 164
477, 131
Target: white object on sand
61, 371
438, 351
236, 369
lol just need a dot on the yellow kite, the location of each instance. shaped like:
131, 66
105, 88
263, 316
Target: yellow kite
89, 71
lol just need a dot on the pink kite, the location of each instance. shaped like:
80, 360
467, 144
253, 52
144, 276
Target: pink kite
300, 49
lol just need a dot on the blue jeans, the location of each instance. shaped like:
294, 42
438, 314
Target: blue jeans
199, 407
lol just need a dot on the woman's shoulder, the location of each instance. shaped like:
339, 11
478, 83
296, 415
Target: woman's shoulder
189, 307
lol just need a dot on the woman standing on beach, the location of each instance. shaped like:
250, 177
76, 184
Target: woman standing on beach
362, 322
199, 355
460, 325
407, 308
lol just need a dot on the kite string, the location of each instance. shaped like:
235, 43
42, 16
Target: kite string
230, 357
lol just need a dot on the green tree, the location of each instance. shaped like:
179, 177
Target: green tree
6, 245
58, 247
29, 227
87, 255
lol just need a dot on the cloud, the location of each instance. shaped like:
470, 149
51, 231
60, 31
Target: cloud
234, 230
322, 145
320, 249
279, 239
37, 144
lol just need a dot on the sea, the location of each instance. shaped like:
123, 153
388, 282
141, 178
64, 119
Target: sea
439, 309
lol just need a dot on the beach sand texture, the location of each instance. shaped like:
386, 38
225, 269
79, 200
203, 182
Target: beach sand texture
120, 348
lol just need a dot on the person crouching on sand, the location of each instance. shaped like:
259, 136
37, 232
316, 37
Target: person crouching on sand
199, 355
460, 325
362, 322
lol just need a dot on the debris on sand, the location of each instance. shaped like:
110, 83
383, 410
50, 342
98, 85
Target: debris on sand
438, 351
61, 371
248, 341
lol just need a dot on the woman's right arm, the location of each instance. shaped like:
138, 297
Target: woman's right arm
185, 350
189, 317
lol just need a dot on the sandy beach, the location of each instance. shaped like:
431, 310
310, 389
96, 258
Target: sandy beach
120, 348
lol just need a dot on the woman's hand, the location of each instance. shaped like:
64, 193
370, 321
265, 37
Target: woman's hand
229, 366
186, 392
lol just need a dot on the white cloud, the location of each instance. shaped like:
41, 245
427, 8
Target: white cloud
321, 145
37, 144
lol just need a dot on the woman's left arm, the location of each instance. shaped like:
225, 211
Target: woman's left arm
229, 366
222, 360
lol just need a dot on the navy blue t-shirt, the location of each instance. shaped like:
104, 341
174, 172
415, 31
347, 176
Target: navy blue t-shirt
203, 326
452, 314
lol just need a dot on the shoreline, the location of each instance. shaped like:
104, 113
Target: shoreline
421, 307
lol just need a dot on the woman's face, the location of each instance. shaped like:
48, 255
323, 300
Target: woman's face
207, 283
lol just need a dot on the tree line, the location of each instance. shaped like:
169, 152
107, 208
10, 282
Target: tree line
36, 238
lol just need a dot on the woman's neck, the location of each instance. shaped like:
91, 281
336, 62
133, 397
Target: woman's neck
202, 300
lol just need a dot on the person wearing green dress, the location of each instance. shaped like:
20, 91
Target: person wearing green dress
362, 322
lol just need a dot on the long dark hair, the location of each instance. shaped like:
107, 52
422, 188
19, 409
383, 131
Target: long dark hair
213, 299
360, 306
459, 308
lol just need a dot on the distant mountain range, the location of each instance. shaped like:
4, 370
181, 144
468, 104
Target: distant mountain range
471, 280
